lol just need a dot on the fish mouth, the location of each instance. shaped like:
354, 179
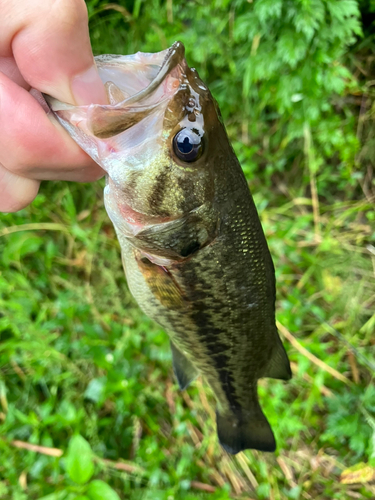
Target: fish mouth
174, 57
110, 120
136, 86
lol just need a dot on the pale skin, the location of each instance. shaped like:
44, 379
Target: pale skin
44, 45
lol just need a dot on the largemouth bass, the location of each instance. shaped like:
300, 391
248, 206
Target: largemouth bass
193, 249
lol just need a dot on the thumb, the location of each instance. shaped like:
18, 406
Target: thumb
51, 45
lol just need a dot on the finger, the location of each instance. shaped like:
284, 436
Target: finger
9, 67
49, 40
16, 192
33, 146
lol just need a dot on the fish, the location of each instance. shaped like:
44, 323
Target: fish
193, 248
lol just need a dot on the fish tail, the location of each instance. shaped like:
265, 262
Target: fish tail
245, 429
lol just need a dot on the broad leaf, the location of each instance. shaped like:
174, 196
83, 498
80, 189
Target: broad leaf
79, 460
99, 490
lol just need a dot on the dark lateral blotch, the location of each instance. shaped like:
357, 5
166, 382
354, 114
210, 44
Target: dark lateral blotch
191, 248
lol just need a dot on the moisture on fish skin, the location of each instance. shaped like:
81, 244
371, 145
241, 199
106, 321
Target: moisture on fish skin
194, 252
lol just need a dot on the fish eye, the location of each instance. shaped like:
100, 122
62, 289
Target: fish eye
187, 145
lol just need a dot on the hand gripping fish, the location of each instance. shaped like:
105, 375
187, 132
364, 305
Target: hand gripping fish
193, 249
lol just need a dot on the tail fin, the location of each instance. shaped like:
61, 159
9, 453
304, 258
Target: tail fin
243, 430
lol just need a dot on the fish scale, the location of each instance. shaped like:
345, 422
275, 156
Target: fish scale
193, 248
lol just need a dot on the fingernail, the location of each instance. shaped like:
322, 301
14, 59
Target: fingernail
88, 88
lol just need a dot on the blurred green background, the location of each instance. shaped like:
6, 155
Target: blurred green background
84, 374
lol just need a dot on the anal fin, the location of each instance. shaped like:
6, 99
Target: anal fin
183, 369
244, 430
278, 366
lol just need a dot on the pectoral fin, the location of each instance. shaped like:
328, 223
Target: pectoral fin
278, 366
183, 369
161, 283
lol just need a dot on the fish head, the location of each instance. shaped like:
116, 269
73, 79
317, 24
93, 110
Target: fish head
155, 139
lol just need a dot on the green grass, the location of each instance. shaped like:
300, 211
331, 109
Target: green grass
78, 357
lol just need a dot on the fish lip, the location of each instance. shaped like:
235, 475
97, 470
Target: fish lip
174, 58
104, 121
110, 120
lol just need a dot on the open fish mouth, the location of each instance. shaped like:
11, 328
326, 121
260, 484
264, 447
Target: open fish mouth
136, 86
146, 65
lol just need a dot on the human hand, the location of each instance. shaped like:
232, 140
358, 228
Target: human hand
44, 45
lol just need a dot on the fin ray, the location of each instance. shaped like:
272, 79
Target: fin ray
278, 367
183, 369
244, 430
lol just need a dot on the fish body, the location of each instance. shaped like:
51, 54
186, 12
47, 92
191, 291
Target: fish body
193, 249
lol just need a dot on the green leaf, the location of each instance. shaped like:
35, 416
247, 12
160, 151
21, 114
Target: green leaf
99, 490
95, 389
3, 489
79, 460
268, 9
58, 495
18, 246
